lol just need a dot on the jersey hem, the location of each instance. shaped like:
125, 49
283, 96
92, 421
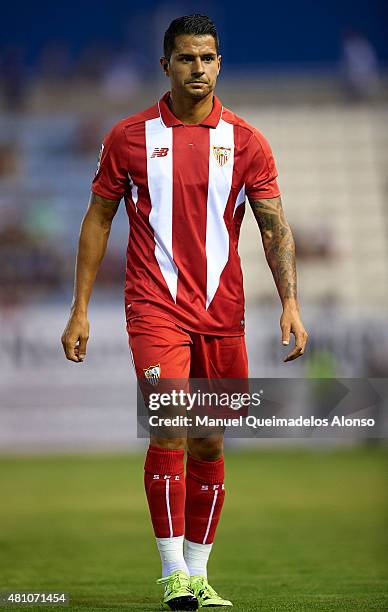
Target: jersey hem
185, 327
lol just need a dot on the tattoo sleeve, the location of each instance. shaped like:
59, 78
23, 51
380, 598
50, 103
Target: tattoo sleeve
278, 242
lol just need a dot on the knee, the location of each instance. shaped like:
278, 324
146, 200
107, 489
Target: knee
168, 443
207, 449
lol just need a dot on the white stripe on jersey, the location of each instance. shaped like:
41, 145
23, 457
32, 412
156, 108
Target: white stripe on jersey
240, 199
220, 183
160, 180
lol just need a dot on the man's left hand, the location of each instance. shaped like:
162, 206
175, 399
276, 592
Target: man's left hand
290, 323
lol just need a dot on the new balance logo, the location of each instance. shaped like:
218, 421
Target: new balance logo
160, 152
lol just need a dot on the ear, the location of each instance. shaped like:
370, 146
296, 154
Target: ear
165, 65
219, 64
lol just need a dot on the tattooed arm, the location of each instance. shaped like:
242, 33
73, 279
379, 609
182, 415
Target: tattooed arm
279, 248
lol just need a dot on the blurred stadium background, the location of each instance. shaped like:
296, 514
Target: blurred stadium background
311, 76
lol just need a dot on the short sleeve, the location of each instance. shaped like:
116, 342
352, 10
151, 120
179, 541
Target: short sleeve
261, 173
111, 178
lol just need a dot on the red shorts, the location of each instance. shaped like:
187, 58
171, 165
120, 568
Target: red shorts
169, 358
156, 342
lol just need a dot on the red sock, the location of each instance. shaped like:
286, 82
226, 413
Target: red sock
205, 494
165, 489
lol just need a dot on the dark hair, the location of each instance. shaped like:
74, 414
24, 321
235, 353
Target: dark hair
199, 25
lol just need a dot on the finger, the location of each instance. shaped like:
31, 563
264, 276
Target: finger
71, 353
301, 340
63, 343
70, 349
293, 355
286, 330
72, 356
67, 347
82, 347
300, 343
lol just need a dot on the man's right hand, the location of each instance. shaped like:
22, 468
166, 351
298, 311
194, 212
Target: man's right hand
75, 337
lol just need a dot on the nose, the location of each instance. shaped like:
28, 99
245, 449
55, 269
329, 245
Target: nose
197, 68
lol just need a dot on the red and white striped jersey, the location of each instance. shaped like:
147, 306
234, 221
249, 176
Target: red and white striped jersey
184, 188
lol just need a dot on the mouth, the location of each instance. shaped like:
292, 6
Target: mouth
196, 83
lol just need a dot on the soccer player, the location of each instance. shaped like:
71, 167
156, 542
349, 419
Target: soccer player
184, 167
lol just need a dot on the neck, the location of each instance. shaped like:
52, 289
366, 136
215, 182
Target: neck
191, 111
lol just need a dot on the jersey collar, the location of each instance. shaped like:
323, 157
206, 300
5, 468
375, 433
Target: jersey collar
169, 119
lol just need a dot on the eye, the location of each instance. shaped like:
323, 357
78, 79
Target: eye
208, 58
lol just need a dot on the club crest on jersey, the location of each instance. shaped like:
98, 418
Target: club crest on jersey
221, 154
160, 152
152, 374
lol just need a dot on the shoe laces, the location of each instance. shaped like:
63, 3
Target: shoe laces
176, 580
201, 584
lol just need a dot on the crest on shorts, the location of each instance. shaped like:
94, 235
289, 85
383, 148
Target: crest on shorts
152, 374
221, 154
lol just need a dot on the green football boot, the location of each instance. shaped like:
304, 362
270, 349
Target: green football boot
178, 594
206, 595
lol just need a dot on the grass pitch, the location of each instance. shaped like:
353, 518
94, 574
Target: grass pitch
301, 530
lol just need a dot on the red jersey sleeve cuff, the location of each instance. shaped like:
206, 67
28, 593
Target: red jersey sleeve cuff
109, 195
269, 190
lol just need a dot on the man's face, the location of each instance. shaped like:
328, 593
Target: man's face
194, 65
